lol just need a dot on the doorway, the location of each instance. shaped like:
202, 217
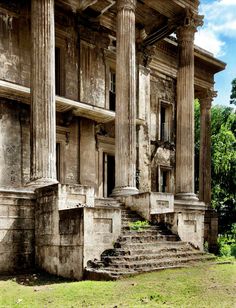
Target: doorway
108, 174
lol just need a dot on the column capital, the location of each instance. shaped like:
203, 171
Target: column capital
206, 97
126, 5
145, 55
190, 23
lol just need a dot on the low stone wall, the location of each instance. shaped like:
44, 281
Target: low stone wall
188, 221
58, 235
150, 203
102, 227
16, 230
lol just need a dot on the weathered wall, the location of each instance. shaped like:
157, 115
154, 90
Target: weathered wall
162, 88
15, 45
102, 227
15, 146
10, 144
16, 231
92, 72
68, 138
58, 235
144, 146
88, 154
187, 221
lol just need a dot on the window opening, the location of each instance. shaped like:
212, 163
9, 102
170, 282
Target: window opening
58, 161
112, 91
164, 123
58, 70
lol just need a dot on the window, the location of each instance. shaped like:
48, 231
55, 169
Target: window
112, 91
164, 179
165, 120
59, 71
58, 161
108, 174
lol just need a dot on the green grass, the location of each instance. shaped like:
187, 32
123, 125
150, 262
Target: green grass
203, 286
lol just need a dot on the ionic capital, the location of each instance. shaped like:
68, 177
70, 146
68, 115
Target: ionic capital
206, 97
190, 23
126, 5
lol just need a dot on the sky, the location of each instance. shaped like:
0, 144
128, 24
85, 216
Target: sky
218, 35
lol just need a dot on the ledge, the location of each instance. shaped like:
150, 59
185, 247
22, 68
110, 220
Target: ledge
189, 205
22, 94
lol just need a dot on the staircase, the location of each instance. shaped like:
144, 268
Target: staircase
138, 251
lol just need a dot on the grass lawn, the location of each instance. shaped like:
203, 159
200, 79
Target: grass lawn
202, 286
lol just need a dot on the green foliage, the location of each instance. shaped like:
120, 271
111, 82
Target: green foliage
224, 167
223, 122
233, 92
139, 225
227, 245
225, 250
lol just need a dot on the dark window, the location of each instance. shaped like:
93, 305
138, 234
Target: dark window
108, 174
58, 70
164, 184
112, 91
58, 160
165, 121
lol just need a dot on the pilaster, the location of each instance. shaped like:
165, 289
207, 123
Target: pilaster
125, 148
43, 113
185, 109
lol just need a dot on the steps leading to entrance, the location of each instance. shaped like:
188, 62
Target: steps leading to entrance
139, 251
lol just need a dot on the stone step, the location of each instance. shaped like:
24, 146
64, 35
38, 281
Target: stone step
103, 274
146, 231
149, 257
151, 245
110, 273
129, 219
150, 264
146, 238
149, 252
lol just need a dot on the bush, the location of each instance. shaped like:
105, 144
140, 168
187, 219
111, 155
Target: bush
227, 245
233, 250
225, 250
139, 225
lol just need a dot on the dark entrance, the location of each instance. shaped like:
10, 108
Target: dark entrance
108, 174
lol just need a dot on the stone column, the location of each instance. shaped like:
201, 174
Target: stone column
205, 146
185, 110
43, 113
211, 218
125, 123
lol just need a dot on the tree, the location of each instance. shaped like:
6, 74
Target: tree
233, 92
223, 150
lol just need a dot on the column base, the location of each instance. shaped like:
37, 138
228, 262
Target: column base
41, 183
124, 191
186, 196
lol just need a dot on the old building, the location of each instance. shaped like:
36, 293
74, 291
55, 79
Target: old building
97, 113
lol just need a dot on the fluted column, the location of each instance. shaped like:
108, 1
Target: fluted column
185, 110
125, 148
43, 113
205, 146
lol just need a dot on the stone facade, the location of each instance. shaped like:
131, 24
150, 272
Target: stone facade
103, 109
